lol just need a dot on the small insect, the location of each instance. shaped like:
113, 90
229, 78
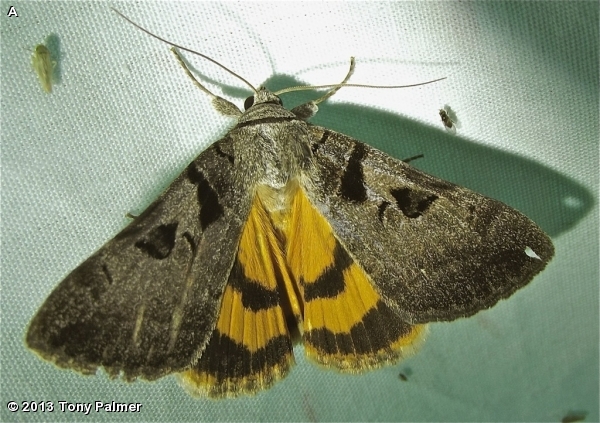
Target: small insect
574, 416
405, 374
280, 228
449, 118
43, 65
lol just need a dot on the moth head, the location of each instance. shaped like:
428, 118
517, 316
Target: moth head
263, 95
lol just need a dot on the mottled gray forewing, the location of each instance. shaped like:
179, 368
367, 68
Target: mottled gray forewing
434, 250
145, 304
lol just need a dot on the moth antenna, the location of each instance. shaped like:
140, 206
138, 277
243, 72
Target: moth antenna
336, 88
318, 87
225, 107
189, 73
185, 49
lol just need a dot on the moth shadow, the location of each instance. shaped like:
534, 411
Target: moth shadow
555, 202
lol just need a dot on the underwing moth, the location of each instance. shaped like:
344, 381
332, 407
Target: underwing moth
448, 118
42, 63
282, 231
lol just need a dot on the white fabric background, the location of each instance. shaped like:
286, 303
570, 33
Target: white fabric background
125, 120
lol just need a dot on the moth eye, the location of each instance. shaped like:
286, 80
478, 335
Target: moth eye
249, 102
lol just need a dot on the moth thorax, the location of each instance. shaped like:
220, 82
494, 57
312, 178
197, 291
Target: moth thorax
278, 201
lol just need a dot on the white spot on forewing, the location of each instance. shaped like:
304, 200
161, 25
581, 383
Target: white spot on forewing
531, 253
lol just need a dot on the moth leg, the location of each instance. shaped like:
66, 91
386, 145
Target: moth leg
410, 159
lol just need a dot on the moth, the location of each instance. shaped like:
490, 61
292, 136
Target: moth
284, 230
448, 118
42, 63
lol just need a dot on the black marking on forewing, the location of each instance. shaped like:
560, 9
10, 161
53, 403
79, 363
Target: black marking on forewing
254, 296
210, 208
331, 282
323, 140
225, 359
267, 120
381, 209
224, 154
352, 186
377, 331
412, 203
159, 242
